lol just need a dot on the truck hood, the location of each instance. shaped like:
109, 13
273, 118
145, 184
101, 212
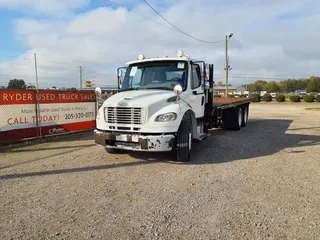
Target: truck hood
139, 98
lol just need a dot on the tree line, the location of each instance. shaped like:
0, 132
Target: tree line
286, 86
20, 84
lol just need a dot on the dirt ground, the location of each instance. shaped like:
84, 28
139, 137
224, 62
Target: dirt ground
261, 182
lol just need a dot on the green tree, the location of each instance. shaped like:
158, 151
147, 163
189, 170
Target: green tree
301, 84
291, 85
313, 84
16, 84
219, 83
255, 97
286, 86
31, 87
258, 86
271, 87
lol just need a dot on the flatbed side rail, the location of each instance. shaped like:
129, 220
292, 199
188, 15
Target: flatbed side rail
230, 103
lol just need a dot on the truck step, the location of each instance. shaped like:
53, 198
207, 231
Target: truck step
202, 137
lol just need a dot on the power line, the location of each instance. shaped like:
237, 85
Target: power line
179, 28
139, 14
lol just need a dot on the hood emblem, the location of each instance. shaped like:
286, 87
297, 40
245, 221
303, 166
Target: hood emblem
123, 103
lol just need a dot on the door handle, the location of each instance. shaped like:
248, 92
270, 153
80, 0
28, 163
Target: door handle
196, 93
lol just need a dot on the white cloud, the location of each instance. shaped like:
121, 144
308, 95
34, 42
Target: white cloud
98, 22
271, 38
51, 7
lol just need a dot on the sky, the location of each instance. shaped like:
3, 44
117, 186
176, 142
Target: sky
272, 40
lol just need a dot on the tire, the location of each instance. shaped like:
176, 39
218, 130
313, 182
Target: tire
245, 115
233, 119
182, 147
113, 150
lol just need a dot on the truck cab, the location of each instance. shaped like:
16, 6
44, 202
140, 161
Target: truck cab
163, 104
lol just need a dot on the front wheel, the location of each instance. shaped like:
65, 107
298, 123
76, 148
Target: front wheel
112, 150
183, 141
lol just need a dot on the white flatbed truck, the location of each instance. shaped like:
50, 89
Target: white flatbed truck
164, 104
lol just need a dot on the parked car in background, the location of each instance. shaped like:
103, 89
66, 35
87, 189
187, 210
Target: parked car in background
314, 94
302, 95
262, 93
273, 95
300, 91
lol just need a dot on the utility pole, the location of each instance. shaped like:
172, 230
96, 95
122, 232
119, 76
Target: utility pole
81, 78
227, 68
37, 99
247, 82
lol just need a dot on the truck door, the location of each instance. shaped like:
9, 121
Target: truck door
197, 96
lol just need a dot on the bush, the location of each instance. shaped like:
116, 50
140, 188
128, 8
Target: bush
217, 96
308, 98
318, 98
243, 96
230, 96
267, 98
295, 98
255, 97
280, 98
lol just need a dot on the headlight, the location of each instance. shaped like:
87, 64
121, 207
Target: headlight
166, 117
98, 115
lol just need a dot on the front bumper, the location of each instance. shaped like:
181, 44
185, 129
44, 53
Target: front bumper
151, 143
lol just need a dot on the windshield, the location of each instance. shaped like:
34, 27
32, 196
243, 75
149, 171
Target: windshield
155, 75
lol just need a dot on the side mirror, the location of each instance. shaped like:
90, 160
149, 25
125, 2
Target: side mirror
98, 91
206, 85
177, 90
207, 70
121, 73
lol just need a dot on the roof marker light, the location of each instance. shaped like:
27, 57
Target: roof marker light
180, 53
140, 57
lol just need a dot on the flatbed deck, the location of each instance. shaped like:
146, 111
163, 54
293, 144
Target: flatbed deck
223, 103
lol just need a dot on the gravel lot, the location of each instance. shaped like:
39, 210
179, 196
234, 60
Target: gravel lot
259, 183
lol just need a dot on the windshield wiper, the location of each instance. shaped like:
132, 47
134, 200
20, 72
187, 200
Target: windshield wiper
129, 89
160, 88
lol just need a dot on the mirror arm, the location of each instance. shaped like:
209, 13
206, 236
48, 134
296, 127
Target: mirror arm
119, 76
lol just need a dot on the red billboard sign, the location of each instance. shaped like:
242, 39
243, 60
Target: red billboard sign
60, 112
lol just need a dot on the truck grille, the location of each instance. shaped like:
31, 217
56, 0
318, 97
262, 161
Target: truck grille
124, 115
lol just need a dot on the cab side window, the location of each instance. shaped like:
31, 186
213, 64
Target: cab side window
196, 76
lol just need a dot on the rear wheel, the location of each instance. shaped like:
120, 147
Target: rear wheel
183, 141
244, 116
240, 117
233, 118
